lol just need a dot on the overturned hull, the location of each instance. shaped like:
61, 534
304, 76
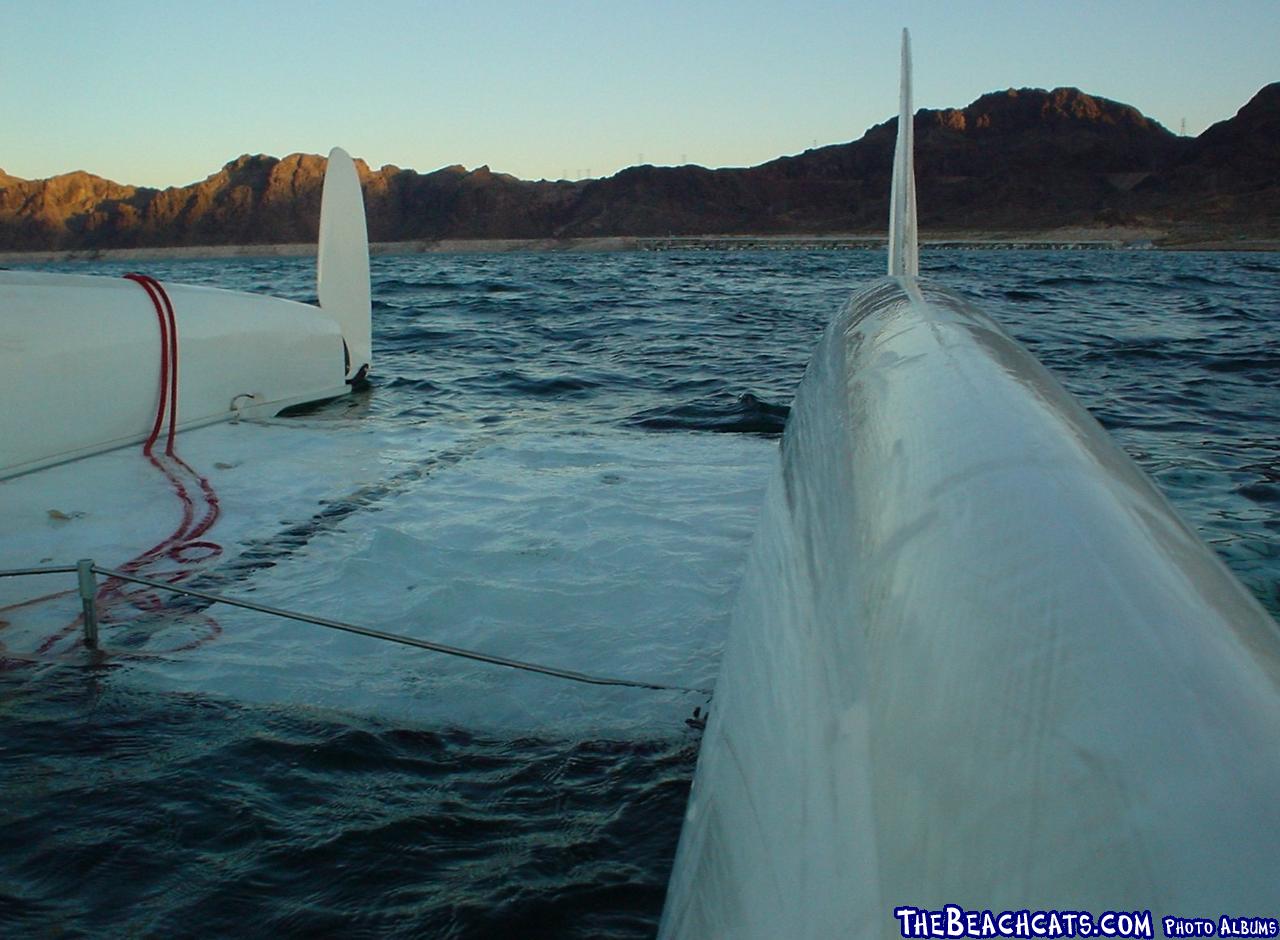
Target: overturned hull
83, 354
976, 659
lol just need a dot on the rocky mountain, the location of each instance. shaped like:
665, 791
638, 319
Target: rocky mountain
1229, 176
1023, 159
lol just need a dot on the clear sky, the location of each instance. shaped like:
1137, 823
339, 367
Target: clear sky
164, 93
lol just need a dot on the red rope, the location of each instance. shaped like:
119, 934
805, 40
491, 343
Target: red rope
173, 368
187, 536
165, 316
186, 539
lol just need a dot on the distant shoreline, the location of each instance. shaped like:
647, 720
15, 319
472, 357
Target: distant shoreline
1082, 238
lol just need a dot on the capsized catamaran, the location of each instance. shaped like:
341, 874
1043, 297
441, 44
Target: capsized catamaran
976, 658
79, 355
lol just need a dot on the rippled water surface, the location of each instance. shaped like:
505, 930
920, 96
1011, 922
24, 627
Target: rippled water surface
560, 456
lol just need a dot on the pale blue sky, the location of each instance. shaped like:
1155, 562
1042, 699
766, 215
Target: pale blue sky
155, 93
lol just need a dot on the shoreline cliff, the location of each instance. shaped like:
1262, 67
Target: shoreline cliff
1012, 166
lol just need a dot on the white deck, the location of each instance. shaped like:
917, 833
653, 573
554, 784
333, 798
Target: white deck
614, 553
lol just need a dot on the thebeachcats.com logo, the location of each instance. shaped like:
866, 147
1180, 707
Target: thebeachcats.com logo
1224, 925
953, 921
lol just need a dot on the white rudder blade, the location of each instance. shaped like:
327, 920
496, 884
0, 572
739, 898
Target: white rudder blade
342, 271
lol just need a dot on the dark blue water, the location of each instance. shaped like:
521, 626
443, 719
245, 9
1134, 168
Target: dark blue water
132, 812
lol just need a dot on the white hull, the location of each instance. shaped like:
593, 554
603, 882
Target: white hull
81, 362
976, 659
